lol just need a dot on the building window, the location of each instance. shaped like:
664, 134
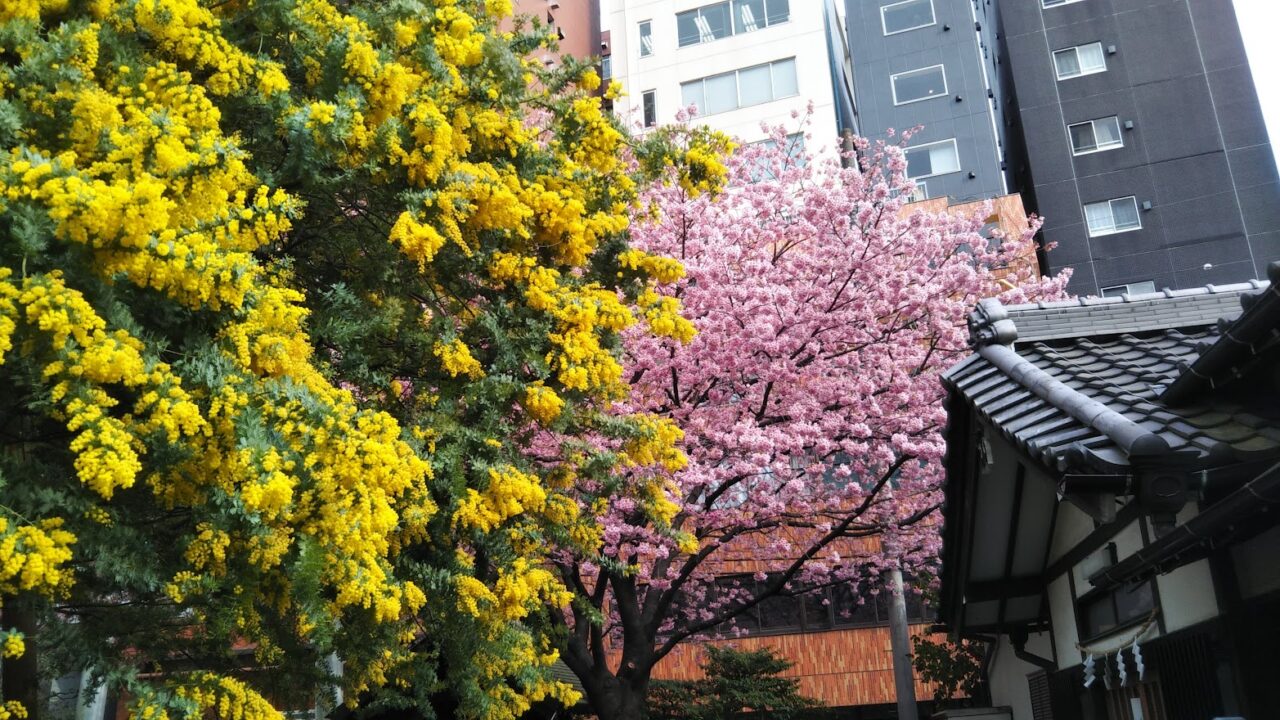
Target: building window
1095, 135
920, 193
937, 158
906, 15
1138, 288
1112, 216
1056, 3
646, 38
704, 24
1104, 612
916, 85
750, 15
649, 98
795, 157
732, 17
741, 88
1080, 60
842, 605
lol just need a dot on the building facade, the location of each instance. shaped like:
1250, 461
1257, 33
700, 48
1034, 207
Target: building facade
741, 62
1147, 153
1113, 469
576, 23
934, 63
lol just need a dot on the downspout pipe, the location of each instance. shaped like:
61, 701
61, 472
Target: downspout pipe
1018, 638
1033, 659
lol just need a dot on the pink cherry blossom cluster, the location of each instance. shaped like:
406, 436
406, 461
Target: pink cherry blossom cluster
810, 399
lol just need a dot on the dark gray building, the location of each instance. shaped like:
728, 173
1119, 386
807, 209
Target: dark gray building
1146, 149
935, 63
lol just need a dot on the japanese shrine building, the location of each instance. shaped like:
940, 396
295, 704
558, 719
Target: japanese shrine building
1113, 491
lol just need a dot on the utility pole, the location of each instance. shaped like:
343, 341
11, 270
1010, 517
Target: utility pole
903, 679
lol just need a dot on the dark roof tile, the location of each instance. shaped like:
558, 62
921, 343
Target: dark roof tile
1121, 352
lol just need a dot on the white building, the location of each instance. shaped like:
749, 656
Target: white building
742, 62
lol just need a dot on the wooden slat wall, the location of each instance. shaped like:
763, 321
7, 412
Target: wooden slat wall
1041, 699
839, 667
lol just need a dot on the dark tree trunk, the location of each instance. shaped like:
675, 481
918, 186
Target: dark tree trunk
620, 700
21, 680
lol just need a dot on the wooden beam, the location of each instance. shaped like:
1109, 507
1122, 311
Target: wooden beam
1011, 544
1009, 587
1096, 539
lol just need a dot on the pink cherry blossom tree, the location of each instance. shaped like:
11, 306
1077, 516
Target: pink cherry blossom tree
809, 399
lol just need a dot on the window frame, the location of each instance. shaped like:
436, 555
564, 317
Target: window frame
919, 612
648, 97
1076, 49
954, 144
921, 192
1109, 202
640, 27
697, 13
737, 88
795, 156
1093, 128
1045, 4
763, 22
1128, 288
1110, 596
933, 12
893, 86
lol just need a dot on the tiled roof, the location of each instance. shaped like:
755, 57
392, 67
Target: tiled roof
1080, 382
1129, 313
562, 673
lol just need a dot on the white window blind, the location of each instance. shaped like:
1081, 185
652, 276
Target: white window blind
741, 88
1080, 60
1112, 216
1095, 135
937, 158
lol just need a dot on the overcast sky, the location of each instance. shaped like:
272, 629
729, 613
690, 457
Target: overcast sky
1260, 25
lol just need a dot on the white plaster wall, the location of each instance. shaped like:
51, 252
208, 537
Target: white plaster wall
803, 37
1186, 596
1008, 674
1127, 542
1072, 526
1062, 613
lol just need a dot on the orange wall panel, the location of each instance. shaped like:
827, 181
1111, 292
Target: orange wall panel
852, 666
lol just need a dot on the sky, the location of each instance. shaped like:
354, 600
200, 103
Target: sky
1260, 26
